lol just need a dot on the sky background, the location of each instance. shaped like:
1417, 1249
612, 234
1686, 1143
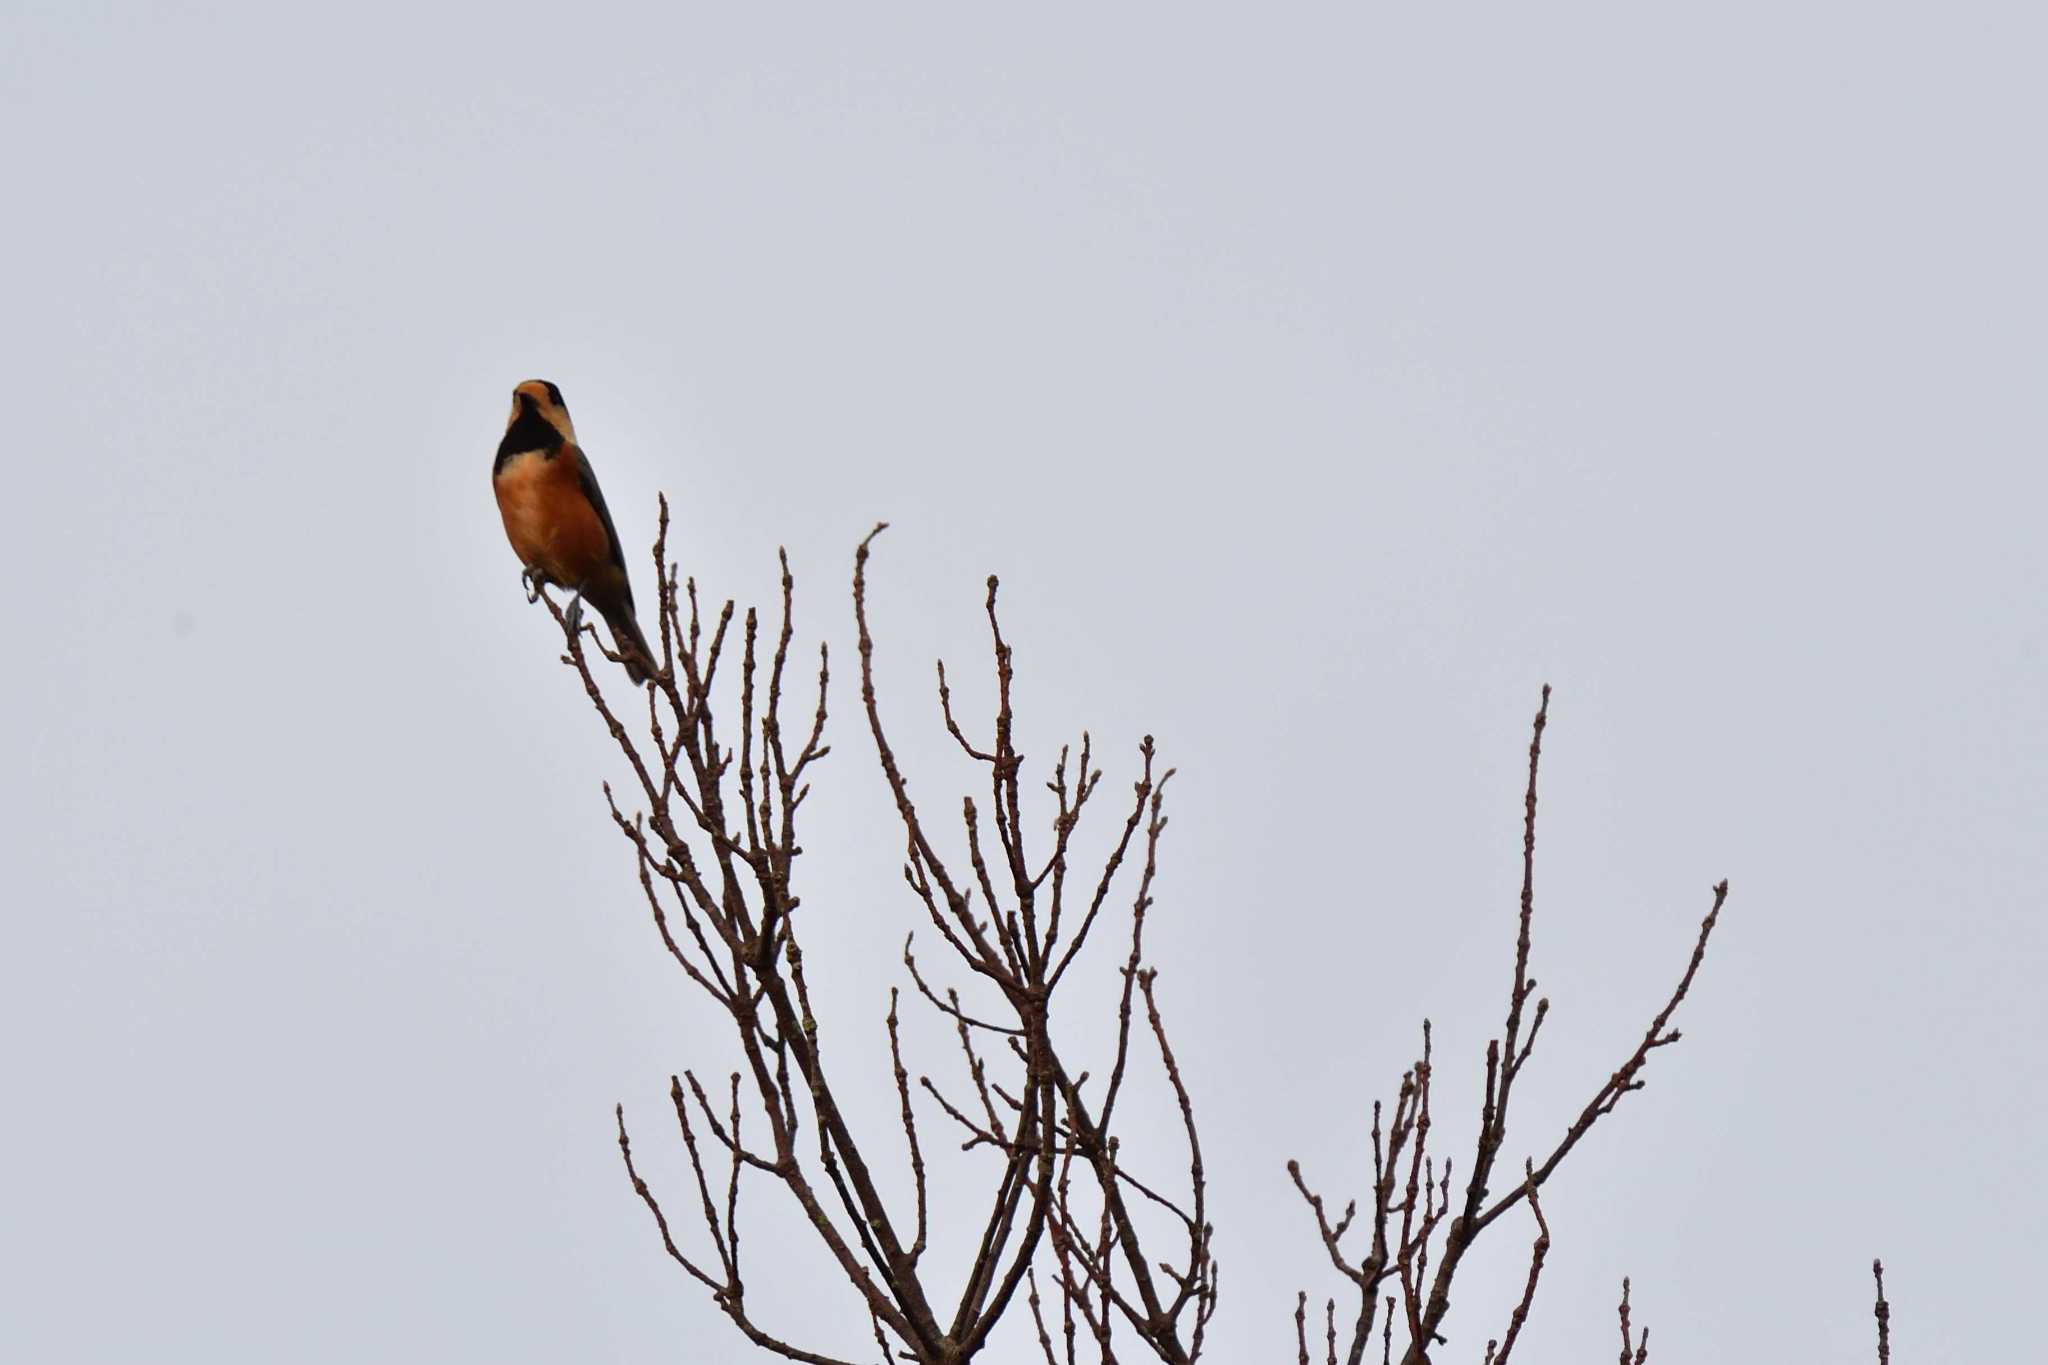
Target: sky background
1321, 382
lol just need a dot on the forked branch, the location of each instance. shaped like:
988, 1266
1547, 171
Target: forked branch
714, 838
1411, 1226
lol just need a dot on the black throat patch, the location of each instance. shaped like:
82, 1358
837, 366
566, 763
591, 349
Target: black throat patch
529, 431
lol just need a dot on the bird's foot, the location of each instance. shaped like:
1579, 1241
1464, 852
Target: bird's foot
533, 583
574, 615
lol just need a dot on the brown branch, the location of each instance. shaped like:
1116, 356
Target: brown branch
1639, 1343
1417, 1233
909, 1126
718, 833
1626, 1078
1536, 1255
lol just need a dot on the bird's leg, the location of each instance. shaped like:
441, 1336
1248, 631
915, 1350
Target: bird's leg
575, 613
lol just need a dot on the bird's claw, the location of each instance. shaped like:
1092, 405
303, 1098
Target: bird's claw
530, 581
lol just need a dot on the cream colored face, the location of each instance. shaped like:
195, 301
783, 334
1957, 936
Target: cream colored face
545, 400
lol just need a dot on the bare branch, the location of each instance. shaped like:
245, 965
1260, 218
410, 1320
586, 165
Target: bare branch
1418, 1235
1640, 1342
1536, 1255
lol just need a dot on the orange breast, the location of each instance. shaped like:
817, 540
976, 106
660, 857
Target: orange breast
552, 526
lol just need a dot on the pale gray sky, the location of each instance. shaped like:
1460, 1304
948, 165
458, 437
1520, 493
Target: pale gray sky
1320, 382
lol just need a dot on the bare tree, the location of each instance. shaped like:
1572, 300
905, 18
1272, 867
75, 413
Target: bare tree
1414, 1218
1109, 1259
715, 839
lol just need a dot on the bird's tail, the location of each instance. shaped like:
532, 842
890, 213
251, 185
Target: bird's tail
638, 655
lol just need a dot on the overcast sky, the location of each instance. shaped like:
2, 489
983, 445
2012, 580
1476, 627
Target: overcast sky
1320, 382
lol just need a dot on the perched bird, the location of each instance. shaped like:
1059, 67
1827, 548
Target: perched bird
556, 519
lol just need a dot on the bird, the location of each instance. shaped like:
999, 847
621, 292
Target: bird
557, 522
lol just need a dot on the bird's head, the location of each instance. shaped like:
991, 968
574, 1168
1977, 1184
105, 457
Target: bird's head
539, 420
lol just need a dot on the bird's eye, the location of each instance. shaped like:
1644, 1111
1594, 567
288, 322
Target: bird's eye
555, 396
